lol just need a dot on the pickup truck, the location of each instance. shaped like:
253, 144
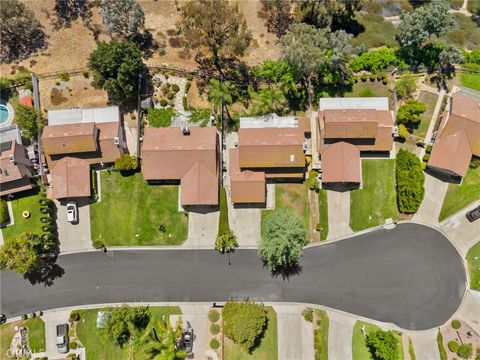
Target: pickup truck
62, 338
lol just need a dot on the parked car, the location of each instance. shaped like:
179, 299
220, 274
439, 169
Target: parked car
473, 214
188, 339
421, 144
62, 338
3, 318
72, 212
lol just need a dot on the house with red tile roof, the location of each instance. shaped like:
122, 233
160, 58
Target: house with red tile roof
187, 156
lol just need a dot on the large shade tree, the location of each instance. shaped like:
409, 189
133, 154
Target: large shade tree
123, 18
116, 66
336, 14
218, 32
282, 242
21, 253
21, 33
67, 11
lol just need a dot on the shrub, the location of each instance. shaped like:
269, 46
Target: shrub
64, 76
4, 216
161, 51
187, 86
160, 117
97, 244
189, 77
383, 344
175, 88
472, 57
184, 103
214, 344
377, 60
406, 85
86, 74
426, 157
364, 77
226, 241
223, 226
465, 351
75, 315
441, 349
475, 162
244, 323
126, 162
402, 131
163, 102
73, 345
170, 95
372, 77
456, 324
428, 149
213, 316
453, 346
409, 178
214, 329
409, 113
308, 315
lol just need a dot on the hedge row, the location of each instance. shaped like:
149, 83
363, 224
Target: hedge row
410, 178
4, 217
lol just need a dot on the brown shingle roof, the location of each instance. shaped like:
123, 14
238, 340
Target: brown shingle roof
246, 186
14, 175
465, 107
271, 147
199, 186
341, 163
71, 178
65, 139
452, 153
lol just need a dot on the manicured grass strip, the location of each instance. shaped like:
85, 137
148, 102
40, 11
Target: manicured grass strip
473, 260
368, 89
267, 347
377, 199
441, 348
430, 100
100, 348
323, 208
360, 350
28, 202
321, 335
411, 350
293, 197
223, 220
131, 212
460, 196
36, 331
470, 80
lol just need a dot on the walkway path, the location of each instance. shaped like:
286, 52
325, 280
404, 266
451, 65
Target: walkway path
340, 335
338, 214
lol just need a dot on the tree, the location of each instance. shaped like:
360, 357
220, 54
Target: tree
465, 351
406, 86
30, 120
409, 113
410, 179
21, 33
377, 60
418, 26
125, 321
220, 93
126, 162
335, 14
122, 18
279, 16
317, 54
283, 240
163, 342
278, 73
269, 100
244, 323
383, 345
116, 66
67, 11
217, 31
448, 57
226, 241
20, 253
402, 132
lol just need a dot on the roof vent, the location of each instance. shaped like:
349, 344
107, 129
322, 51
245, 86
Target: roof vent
11, 158
116, 140
185, 130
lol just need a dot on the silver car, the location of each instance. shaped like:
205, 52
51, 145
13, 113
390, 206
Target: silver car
62, 338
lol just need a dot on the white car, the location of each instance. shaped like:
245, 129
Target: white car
72, 212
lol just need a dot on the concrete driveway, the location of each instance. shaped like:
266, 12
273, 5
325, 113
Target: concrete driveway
338, 214
195, 315
74, 237
202, 227
431, 205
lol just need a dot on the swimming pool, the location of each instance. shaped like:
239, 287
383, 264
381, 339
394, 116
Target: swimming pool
4, 114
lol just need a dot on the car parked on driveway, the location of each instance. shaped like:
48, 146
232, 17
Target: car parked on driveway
72, 212
62, 338
473, 214
187, 337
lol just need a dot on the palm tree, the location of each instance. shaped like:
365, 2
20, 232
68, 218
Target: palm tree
269, 100
163, 342
220, 92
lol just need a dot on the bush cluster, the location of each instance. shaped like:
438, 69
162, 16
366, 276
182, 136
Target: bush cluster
214, 344
126, 162
214, 329
409, 113
456, 324
410, 178
308, 315
213, 316
244, 323
75, 315
160, 117
377, 60
383, 345
453, 346
4, 216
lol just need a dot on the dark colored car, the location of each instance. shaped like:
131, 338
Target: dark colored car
3, 318
421, 144
188, 339
473, 214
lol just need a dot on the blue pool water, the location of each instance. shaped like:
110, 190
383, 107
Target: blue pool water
4, 113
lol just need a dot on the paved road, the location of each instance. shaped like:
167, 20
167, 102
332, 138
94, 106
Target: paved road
411, 276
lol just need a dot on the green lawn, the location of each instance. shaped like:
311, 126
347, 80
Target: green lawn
430, 100
266, 350
131, 211
321, 335
360, 350
377, 200
368, 89
377, 32
459, 196
323, 208
473, 260
29, 202
293, 197
100, 348
36, 331
470, 80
